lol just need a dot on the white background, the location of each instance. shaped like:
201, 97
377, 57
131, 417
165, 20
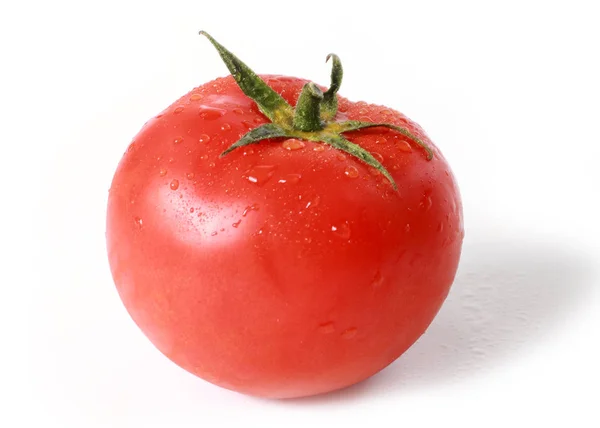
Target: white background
508, 90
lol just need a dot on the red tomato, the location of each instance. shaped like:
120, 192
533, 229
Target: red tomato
285, 268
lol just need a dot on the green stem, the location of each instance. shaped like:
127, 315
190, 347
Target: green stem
307, 116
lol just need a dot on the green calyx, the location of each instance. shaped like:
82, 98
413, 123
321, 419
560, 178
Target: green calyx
312, 119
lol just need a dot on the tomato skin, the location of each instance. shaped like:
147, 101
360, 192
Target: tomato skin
279, 270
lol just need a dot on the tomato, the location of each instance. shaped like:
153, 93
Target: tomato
289, 266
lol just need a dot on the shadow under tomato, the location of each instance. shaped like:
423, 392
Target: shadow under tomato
507, 294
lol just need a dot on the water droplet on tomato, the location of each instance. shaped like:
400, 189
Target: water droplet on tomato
195, 97
211, 164
191, 210
377, 156
426, 203
340, 156
162, 172
403, 146
349, 333
258, 120
326, 328
319, 148
225, 127
238, 111
190, 175
214, 233
351, 171
313, 202
290, 179
259, 174
178, 140
237, 223
293, 144
174, 184
377, 280
204, 138
178, 110
247, 124
139, 222
341, 230
249, 208
171, 160
407, 228
210, 113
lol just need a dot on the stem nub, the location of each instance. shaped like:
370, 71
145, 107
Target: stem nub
307, 116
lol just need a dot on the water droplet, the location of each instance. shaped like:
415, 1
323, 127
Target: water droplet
238, 111
237, 223
314, 202
377, 280
178, 110
211, 164
204, 138
377, 156
249, 151
178, 140
171, 160
349, 333
326, 328
351, 171
190, 175
249, 208
340, 156
162, 172
210, 113
407, 228
426, 203
139, 222
225, 127
259, 174
319, 148
191, 210
293, 144
195, 97
258, 120
290, 179
174, 184
341, 230
204, 157
403, 146
214, 233
247, 124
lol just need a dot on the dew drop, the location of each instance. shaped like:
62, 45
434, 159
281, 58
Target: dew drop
290, 179
162, 172
211, 164
426, 203
293, 144
190, 175
238, 111
403, 146
204, 138
377, 156
210, 113
341, 230
340, 156
249, 208
259, 174
237, 223
204, 157
349, 333
407, 228
195, 97
174, 184
178, 140
178, 110
225, 127
319, 148
139, 222
247, 124
258, 120
326, 328
351, 171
